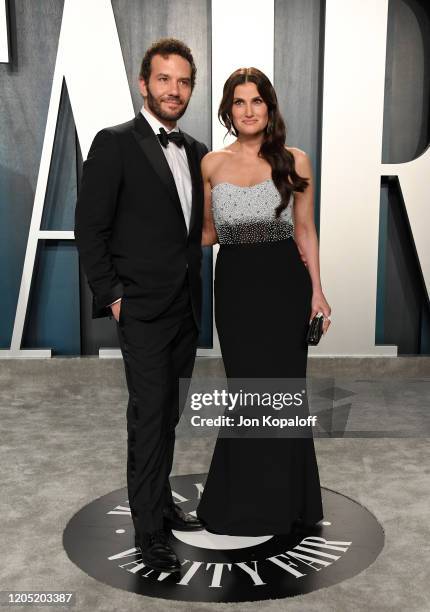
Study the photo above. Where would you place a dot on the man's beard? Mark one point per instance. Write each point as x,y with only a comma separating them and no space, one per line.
156,109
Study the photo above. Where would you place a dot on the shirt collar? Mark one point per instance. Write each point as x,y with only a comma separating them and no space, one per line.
155,123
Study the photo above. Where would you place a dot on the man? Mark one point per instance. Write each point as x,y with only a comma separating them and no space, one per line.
138,230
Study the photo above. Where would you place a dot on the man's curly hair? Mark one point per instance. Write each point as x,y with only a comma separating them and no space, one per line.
165,47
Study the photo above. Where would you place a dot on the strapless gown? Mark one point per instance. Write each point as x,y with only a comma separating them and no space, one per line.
263,291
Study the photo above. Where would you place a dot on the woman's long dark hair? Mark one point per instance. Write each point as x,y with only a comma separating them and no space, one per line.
272,149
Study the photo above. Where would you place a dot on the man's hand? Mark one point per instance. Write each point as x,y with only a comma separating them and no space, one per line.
116,309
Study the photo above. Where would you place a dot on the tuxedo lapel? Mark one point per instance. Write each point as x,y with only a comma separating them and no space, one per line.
195,177
150,146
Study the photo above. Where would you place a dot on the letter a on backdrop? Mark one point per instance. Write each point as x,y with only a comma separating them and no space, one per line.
90,61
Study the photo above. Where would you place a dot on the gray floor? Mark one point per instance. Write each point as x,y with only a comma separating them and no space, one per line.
64,444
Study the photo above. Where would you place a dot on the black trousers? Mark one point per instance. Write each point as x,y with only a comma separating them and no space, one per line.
156,354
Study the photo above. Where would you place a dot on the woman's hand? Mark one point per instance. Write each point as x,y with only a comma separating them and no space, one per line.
320,304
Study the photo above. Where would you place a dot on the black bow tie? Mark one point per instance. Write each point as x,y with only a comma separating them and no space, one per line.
176,137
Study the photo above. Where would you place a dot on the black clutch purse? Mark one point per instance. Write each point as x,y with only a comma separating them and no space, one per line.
315,330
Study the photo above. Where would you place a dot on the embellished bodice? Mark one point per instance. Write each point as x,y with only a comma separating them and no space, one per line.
247,214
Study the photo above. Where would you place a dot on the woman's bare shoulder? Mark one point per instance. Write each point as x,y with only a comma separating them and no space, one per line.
298,153
214,159
301,159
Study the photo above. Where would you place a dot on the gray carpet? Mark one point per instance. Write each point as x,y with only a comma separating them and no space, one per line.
64,444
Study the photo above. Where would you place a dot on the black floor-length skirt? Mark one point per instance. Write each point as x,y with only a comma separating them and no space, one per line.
261,486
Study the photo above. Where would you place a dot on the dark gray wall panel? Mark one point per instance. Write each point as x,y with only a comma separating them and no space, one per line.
61,191
53,312
299,39
407,82
403,287
297,69
141,22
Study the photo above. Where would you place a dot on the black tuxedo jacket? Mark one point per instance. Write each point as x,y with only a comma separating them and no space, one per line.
129,226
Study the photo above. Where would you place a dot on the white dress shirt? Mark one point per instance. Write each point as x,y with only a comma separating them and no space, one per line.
178,162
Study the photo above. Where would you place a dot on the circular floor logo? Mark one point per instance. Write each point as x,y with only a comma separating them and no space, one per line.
100,540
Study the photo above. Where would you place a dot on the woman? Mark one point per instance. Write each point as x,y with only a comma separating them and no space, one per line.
265,297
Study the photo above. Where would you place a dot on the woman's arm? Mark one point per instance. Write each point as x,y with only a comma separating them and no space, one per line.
209,234
306,237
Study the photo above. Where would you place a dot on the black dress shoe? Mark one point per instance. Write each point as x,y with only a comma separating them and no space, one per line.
157,552
176,518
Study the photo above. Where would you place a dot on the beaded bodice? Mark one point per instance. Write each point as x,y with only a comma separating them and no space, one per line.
247,214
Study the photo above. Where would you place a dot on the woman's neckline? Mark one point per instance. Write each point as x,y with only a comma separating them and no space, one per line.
241,186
